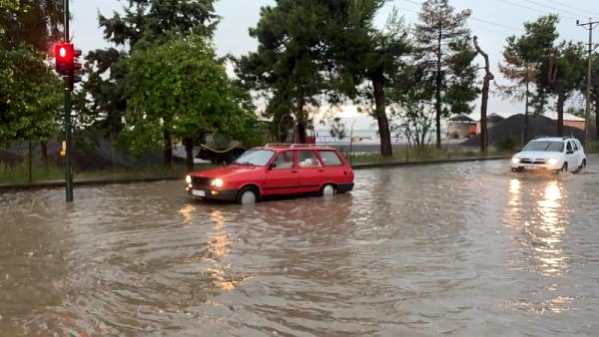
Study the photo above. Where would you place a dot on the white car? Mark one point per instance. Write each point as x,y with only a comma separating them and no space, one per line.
551,153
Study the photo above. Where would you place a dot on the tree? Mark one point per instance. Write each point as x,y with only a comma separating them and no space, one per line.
177,88
29,90
365,54
291,63
565,73
594,90
142,20
523,56
445,51
411,98
484,139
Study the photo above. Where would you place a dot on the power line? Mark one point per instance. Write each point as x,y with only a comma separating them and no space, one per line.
532,9
496,24
580,10
551,7
472,18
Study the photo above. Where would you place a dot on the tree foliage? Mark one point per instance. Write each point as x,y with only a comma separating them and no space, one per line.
369,55
142,20
177,88
446,55
292,63
29,90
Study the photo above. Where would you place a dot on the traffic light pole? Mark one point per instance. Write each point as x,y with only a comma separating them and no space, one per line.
68,171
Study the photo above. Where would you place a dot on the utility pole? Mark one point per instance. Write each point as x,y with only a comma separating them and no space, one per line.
587,114
68,170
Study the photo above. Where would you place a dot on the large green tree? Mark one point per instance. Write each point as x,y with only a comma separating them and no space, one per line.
595,90
178,88
564,74
365,54
291,65
522,57
140,20
445,51
29,90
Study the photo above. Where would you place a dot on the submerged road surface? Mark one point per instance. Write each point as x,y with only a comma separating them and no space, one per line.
460,249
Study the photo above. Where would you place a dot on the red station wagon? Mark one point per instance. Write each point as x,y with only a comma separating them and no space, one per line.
273,170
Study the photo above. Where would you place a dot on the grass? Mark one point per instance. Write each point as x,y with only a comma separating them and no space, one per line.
420,155
19,174
593,147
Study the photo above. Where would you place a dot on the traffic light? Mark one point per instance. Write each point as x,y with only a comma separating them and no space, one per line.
63,54
67,62
75,68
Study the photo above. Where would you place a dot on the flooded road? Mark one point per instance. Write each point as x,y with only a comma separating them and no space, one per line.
460,249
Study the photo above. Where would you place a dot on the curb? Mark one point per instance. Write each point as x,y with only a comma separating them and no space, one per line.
100,181
86,182
426,162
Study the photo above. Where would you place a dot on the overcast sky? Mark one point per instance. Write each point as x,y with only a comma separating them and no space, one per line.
492,20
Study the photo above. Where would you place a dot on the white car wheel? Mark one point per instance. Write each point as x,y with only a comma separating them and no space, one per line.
247,197
329,190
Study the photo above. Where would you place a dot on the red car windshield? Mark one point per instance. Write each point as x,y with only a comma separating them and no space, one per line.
255,157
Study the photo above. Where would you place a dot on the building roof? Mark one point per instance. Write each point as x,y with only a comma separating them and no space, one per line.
568,117
461,118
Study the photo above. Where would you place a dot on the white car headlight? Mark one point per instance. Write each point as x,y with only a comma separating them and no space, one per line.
552,161
188,179
515,160
218,182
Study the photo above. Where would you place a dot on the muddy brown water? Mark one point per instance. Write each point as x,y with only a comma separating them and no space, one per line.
461,249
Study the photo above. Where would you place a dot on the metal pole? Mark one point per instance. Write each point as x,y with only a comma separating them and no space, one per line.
68,171
587,114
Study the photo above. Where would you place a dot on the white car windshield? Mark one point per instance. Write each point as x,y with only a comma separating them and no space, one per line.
545,146
255,157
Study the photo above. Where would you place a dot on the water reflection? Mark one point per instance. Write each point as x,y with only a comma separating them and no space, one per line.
187,213
541,218
538,213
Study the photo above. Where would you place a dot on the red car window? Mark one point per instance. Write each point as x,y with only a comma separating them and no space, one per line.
330,158
284,161
307,159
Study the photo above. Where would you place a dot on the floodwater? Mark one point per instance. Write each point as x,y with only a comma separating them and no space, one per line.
460,249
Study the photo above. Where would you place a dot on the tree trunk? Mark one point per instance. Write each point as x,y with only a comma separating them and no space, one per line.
188,141
484,138
168,149
44,150
300,128
438,83
381,115
561,100
301,132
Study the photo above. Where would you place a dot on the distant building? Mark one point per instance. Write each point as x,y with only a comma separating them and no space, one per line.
461,126
569,120
492,120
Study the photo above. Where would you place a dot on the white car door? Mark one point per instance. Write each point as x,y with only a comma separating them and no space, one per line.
579,152
571,156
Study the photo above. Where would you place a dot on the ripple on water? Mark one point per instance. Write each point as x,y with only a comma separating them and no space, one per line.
465,249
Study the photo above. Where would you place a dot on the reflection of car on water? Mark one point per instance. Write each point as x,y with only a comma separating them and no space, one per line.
551,153
275,169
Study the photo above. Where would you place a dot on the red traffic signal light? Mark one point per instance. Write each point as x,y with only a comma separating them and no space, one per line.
67,62
63,55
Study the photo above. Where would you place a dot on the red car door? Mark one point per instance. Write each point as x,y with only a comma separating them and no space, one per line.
334,169
282,176
311,172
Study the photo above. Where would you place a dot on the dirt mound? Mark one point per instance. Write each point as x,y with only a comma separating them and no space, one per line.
512,128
